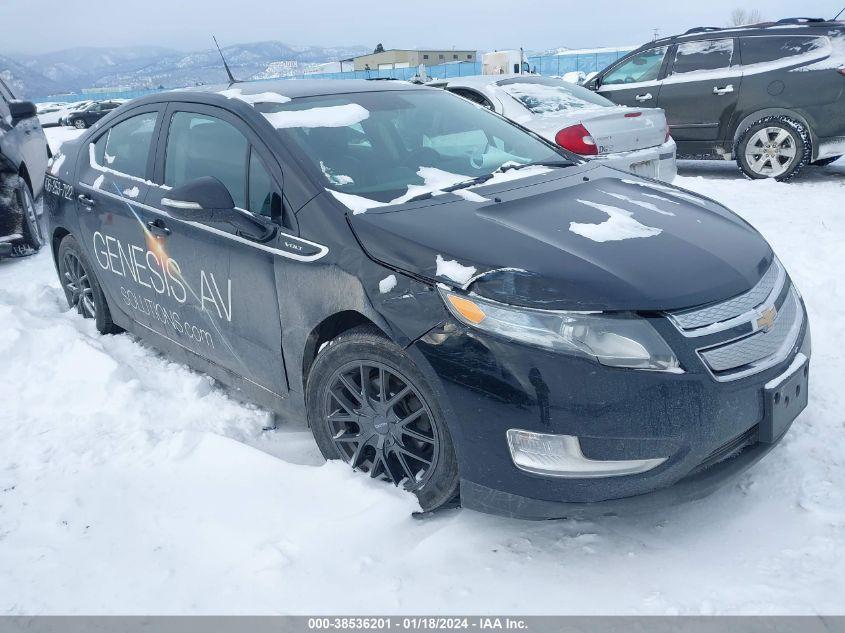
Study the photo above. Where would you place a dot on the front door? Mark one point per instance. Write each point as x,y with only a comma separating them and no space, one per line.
223,305
635,81
700,94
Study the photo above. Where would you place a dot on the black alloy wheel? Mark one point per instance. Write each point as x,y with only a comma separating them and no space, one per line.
380,423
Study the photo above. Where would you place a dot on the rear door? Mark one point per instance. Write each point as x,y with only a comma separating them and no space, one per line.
635,81
225,306
112,183
700,93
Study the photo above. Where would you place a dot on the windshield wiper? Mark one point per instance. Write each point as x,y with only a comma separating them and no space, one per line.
461,185
482,179
536,163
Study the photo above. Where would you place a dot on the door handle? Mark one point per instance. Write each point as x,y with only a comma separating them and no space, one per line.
158,228
723,90
87,201
645,97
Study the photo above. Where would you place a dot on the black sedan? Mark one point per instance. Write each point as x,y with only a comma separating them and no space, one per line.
90,114
455,305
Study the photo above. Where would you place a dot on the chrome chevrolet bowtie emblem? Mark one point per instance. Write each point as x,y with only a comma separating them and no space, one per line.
766,320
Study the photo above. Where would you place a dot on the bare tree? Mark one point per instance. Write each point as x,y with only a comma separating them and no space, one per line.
742,17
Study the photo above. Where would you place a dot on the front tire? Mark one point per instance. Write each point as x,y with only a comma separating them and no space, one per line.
80,124
774,147
82,289
370,406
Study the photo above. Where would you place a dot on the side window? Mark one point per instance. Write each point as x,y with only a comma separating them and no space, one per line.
473,96
643,66
759,50
261,189
202,145
706,55
126,146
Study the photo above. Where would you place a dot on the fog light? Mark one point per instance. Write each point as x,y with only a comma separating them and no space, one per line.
561,456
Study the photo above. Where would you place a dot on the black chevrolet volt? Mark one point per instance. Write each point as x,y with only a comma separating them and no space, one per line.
454,305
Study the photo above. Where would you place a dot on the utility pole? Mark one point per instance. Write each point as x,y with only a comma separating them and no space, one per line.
656,33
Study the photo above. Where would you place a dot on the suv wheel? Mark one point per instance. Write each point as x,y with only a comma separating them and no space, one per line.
370,406
82,289
79,124
773,147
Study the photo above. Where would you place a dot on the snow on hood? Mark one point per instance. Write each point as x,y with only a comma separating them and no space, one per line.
573,244
325,116
619,225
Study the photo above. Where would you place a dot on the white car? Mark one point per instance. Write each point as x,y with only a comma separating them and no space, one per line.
636,140
49,113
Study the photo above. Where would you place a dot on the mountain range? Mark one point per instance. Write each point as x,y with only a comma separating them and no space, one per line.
138,67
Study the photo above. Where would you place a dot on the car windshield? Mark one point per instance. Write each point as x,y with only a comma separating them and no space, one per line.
548,96
390,144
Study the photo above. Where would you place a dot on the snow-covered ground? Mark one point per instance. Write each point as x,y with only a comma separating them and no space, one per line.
130,484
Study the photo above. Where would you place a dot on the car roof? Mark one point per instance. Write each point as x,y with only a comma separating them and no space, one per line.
787,26
294,88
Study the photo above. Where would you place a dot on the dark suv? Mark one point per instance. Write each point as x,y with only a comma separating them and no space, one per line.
23,159
90,114
768,95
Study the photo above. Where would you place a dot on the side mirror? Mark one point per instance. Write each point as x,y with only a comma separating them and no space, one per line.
22,110
208,201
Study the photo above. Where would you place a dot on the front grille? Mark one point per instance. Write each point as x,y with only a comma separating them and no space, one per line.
753,347
707,316
760,350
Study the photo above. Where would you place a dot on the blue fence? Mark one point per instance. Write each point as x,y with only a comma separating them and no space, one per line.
575,62
542,64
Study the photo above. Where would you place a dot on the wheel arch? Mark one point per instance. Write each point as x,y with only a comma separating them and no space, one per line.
59,233
330,328
23,172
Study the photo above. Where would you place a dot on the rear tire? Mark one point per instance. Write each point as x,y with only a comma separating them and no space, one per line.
369,405
81,286
80,124
773,147
21,215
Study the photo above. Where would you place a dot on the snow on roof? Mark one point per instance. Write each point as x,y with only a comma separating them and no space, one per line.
252,99
326,116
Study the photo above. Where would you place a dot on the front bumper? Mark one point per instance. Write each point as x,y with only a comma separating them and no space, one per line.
653,162
487,385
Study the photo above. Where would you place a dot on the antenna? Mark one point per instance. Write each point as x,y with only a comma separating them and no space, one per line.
232,80
838,14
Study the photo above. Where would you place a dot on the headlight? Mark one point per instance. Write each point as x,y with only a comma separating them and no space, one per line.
616,340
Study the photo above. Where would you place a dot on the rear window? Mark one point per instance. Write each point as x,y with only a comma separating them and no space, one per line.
759,50
547,96
706,55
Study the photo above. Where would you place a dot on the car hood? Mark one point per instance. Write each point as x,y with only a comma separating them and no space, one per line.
580,238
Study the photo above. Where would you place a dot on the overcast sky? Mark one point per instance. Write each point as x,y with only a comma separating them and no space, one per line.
30,26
